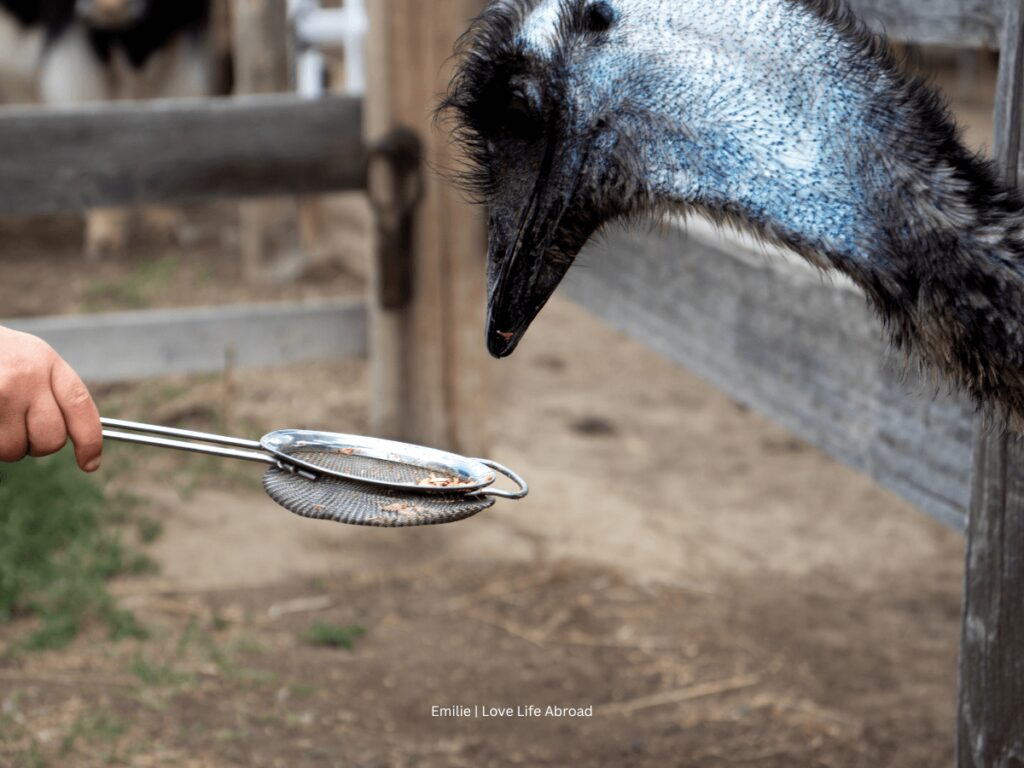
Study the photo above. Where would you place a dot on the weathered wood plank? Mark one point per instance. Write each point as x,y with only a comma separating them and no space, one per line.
137,345
74,158
804,352
962,23
269,228
990,726
390,338
430,368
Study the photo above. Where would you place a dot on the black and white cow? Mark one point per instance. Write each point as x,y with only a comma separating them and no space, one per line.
73,51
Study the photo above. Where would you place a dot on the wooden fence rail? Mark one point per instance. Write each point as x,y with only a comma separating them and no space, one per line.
958,23
69,159
805,352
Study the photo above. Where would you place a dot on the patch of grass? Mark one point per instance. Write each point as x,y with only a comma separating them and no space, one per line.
120,508
249,645
56,553
231,734
157,674
219,622
301,690
194,635
333,635
10,729
135,290
188,637
259,677
94,728
140,565
30,758
195,644
148,529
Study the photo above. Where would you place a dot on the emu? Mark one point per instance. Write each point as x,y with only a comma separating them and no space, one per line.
785,117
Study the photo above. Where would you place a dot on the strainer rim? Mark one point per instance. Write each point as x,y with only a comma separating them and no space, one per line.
480,474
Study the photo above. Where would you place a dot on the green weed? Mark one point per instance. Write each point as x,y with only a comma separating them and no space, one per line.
93,728
136,290
148,529
157,674
30,758
333,635
56,553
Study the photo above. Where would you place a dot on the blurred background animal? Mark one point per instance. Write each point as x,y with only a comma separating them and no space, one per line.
73,51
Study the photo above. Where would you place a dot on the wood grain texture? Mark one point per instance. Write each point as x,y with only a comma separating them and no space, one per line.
990,726
138,345
958,23
804,352
430,363
269,228
390,334
260,42
70,159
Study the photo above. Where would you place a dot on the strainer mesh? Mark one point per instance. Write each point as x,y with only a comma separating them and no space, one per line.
381,470
355,503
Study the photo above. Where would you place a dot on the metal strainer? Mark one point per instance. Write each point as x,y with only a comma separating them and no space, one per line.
347,478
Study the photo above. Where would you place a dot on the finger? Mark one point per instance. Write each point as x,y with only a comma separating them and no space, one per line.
13,437
47,432
80,415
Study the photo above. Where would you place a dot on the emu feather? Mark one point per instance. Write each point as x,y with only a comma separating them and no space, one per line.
787,117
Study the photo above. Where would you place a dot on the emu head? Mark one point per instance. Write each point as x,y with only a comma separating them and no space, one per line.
577,112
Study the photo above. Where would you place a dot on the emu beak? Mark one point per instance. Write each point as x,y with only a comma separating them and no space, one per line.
529,257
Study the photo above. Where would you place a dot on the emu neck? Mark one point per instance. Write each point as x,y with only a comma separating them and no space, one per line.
791,123
945,271
772,114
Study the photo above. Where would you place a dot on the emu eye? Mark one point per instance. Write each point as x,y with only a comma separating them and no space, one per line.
522,113
599,17
518,120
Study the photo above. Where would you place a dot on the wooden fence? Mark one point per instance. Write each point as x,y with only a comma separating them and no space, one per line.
766,331
805,352
811,356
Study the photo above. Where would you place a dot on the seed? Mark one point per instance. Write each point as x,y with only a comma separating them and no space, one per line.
435,481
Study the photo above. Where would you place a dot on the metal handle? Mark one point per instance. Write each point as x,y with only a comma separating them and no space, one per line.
132,430
187,434
497,492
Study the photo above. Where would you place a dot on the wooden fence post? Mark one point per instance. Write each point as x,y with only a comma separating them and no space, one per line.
269,229
429,359
990,729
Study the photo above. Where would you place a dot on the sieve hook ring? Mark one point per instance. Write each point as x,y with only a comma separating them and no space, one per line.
497,492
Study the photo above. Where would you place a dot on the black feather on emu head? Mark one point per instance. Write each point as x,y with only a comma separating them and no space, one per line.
549,172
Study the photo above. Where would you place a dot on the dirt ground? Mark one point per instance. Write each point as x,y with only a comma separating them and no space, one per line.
718,592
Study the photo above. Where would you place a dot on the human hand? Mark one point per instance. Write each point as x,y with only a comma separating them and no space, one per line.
43,402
